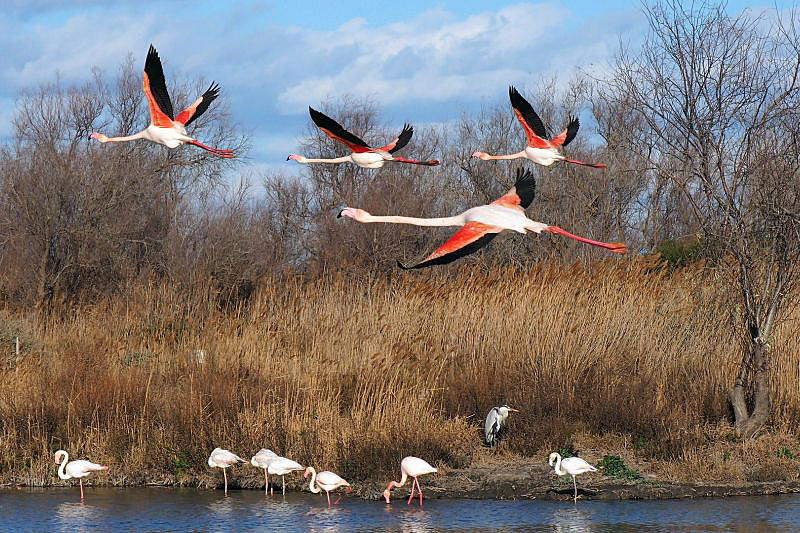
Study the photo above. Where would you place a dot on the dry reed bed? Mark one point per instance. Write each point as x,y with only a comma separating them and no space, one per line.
352,374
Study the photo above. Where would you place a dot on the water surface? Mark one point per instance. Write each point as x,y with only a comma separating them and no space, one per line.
169,509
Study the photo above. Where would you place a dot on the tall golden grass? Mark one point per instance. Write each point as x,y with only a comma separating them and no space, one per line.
354,373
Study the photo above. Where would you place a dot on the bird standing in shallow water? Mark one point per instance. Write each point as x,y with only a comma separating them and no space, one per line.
540,150
282,466
481,224
163,129
410,466
220,458
572,466
494,422
262,459
362,154
326,481
76,469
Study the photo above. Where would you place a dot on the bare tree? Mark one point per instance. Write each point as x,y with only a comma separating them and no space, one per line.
714,99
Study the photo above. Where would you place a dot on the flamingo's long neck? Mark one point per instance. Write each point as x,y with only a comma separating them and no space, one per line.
558,466
506,156
312,486
133,137
446,221
393,484
336,160
61,472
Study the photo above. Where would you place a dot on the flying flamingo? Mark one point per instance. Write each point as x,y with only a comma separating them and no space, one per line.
539,149
76,469
326,481
220,458
163,129
281,466
362,155
262,459
572,466
481,224
410,466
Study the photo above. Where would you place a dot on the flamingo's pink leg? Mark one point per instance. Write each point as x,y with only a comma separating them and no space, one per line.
411,496
225,475
266,483
328,494
216,151
420,491
81,484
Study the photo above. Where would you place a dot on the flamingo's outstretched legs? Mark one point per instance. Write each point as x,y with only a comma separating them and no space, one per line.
227,154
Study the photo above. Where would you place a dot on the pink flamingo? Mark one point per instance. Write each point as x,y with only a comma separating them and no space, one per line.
76,469
539,150
481,224
163,129
410,466
326,481
262,459
363,155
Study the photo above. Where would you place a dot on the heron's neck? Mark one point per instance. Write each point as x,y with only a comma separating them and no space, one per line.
446,221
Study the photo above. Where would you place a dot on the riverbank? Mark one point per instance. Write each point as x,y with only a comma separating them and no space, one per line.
621,359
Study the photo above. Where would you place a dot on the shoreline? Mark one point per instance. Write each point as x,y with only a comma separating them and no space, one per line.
517,479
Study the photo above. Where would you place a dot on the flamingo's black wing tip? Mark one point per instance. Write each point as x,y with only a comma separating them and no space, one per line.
401,265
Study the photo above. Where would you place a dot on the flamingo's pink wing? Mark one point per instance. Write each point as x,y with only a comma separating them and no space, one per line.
566,136
199,106
400,141
521,194
155,90
529,120
471,237
335,131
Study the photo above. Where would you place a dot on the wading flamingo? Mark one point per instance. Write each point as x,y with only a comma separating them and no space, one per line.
572,466
326,481
539,149
76,469
262,459
362,155
281,466
163,129
494,423
410,466
220,458
481,224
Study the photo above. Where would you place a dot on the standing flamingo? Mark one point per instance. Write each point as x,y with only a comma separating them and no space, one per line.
326,481
539,149
281,466
572,466
76,469
163,129
410,466
362,155
262,459
220,458
481,224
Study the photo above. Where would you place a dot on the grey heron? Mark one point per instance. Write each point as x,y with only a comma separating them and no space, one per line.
494,423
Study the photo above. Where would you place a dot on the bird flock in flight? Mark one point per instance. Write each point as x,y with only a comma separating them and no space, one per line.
478,226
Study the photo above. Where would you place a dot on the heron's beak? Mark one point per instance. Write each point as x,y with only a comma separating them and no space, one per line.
513,410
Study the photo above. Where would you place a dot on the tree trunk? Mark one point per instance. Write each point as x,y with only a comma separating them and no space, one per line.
754,369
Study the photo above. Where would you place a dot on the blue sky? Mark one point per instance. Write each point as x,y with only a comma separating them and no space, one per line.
420,62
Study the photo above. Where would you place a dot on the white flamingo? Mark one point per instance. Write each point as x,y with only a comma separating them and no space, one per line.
281,466
481,224
326,481
76,469
262,459
163,129
572,466
220,458
410,466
